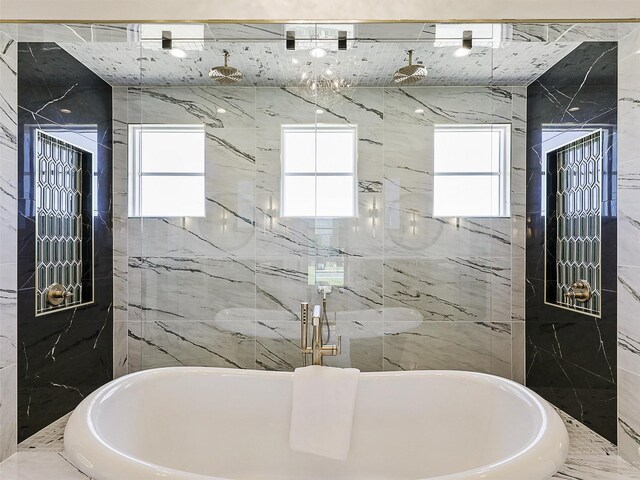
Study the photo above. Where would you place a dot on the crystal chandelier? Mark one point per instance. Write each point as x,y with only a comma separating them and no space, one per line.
326,79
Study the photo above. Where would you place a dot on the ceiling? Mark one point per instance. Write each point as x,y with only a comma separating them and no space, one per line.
502,54
366,63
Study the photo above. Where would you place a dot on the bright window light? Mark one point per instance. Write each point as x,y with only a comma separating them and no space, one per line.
472,170
166,171
319,170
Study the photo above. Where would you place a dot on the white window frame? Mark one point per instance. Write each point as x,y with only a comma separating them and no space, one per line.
318,127
504,165
135,169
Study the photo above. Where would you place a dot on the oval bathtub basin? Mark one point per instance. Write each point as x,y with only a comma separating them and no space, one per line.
198,423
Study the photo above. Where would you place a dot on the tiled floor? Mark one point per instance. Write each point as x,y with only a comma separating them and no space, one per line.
592,457
49,439
41,457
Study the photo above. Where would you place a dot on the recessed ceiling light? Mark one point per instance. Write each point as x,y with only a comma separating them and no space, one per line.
419,110
574,109
318,52
328,71
178,52
319,112
221,110
294,61
462,52
65,110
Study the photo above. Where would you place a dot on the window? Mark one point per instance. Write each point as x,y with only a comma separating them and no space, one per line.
471,170
319,170
166,171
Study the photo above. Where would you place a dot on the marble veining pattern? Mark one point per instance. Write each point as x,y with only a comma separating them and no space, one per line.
8,244
571,358
628,274
266,62
49,439
67,354
225,289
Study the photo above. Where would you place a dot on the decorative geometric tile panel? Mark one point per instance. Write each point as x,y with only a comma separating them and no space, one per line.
578,214
59,220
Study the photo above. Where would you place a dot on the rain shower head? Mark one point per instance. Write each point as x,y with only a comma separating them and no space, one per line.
411,73
225,74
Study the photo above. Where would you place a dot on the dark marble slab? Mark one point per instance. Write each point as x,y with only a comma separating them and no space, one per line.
589,398
65,355
571,357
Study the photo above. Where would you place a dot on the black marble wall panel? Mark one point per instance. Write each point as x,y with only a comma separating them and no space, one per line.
62,356
571,357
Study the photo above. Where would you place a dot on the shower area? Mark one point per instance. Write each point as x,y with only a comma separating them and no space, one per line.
449,189
331,157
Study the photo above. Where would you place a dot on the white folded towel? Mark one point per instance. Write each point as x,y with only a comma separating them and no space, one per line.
324,400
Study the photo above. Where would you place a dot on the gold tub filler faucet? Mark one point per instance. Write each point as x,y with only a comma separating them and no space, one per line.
317,350
579,291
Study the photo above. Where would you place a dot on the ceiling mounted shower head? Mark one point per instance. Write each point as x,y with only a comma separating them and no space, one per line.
411,73
225,74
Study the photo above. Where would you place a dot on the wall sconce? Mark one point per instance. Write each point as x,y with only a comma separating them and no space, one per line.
373,214
271,212
223,222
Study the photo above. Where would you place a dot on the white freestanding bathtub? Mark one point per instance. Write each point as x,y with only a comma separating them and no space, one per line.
193,423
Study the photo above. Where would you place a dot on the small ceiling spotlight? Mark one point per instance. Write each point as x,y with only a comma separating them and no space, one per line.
290,40
318,52
319,112
178,52
221,110
65,110
467,44
574,109
419,110
342,40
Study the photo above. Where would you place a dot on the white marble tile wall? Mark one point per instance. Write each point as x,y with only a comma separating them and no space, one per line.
8,245
120,234
628,241
225,289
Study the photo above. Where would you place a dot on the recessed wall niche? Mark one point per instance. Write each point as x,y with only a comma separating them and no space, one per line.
64,226
573,237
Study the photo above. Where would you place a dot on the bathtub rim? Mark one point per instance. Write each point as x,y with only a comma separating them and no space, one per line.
84,411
